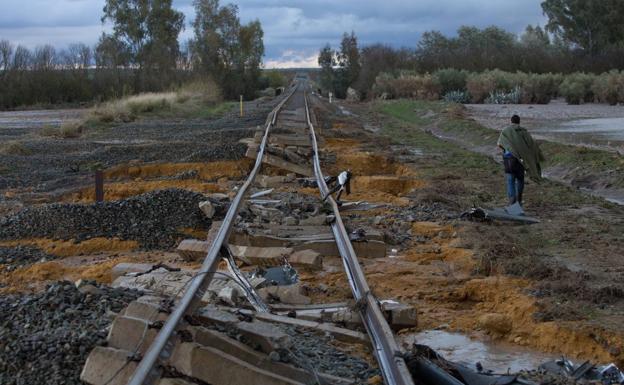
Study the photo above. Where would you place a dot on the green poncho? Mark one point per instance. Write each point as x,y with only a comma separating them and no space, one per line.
518,141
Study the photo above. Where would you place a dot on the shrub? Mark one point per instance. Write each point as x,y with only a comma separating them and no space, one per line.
408,86
503,97
451,79
609,88
71,129
540,88
480,85
461,97
577,88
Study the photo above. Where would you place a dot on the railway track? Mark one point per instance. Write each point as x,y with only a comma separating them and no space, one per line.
150,339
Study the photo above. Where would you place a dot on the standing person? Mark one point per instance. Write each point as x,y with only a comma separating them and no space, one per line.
520,154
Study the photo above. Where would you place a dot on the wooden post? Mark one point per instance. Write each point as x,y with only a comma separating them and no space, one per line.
99,186
241,106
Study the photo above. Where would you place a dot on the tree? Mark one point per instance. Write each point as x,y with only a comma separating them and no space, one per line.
148,29
226,51
349,58
111,53
326,61
589,24
6,51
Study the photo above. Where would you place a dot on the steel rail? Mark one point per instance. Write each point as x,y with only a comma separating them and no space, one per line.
148,372
391,362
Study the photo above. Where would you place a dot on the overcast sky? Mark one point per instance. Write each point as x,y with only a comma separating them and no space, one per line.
294,30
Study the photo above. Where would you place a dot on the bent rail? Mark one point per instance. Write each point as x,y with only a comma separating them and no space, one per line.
147,372
386,350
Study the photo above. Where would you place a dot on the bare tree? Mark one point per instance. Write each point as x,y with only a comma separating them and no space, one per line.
6,51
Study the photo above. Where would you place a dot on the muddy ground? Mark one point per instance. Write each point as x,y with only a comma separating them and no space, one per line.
556,286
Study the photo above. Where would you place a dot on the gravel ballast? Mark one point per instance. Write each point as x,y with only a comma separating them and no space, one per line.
153,219
45,338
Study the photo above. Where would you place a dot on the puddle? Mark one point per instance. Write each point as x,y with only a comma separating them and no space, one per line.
497,357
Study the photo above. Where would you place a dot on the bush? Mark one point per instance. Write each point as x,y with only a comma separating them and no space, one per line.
408,86
540,88
451,79
480,86
609,88
577,88
461,97
503,97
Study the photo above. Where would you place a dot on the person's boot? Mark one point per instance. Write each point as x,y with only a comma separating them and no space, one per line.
520,199
512,201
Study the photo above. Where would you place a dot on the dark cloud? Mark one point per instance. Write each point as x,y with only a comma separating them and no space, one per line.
294,30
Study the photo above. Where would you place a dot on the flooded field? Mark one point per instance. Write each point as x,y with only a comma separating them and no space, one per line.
37,118
593,125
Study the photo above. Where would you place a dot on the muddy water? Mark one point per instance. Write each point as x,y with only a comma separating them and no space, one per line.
601,132
497,357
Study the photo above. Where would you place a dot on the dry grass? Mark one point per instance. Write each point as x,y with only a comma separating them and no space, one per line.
188,99
68,129
14,148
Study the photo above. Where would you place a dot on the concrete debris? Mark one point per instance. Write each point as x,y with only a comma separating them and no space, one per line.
213,315
190,360
265,336
230,295
349,318
149,312
399,316
193,250
261,256
284,294
131,334
266,181
108,366
309,259
207,208
586,372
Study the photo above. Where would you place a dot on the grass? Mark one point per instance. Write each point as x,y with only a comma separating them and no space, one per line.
450,118
200,99
68,129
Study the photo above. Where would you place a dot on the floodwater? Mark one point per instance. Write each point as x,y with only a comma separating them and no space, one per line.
497,357
37,118
600,132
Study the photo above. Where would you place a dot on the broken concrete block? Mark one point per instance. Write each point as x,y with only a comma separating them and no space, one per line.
218,368
400,316
193,250
328,248
261,256
229,295
146,311
131,334
286,294
215,316
207,208
349,318
307,259
265,336
126,268
108,366
232,347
